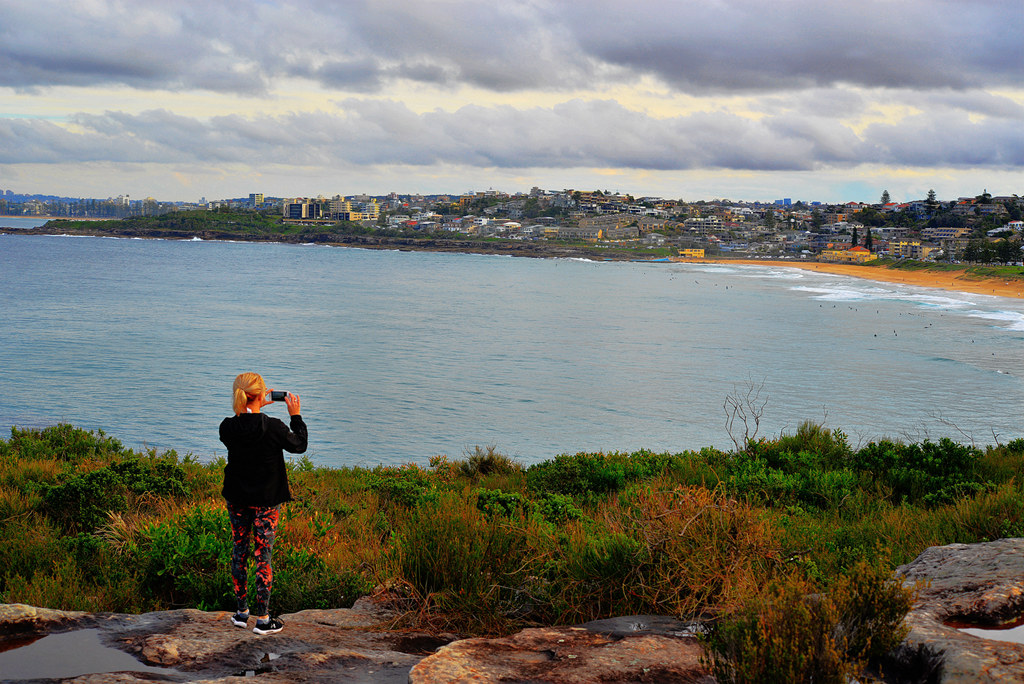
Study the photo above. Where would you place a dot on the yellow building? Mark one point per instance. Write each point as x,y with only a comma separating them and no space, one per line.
910,249
691,253
852,255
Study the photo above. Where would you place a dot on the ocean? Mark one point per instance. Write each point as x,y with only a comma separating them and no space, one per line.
22,222
400,356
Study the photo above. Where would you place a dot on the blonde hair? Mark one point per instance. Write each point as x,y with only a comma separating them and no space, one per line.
247,387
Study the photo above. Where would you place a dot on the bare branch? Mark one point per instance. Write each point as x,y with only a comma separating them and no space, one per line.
949,423
745,405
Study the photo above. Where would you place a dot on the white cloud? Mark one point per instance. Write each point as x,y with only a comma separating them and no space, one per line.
577,133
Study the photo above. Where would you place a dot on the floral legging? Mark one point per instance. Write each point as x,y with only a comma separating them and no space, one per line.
261,524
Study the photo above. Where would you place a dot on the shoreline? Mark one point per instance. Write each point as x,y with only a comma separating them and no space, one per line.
951,281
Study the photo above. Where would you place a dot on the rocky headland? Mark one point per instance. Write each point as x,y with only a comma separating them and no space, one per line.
958,585
524,248
956,279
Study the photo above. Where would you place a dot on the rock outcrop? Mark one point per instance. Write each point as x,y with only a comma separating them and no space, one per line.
344,645
638,649
961,585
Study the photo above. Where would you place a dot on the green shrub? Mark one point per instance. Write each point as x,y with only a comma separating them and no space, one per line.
302,580
581,475
61,442
829,448
591,476
927,473
28,544
83,501
406,485
496,502
186,560
799,480
990,515
558,508
784,638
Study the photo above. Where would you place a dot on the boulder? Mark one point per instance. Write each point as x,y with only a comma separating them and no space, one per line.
963,585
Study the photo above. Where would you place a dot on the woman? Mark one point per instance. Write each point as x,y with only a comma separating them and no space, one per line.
255,485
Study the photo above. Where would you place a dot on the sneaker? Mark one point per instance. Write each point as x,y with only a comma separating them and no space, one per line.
271,626
240,619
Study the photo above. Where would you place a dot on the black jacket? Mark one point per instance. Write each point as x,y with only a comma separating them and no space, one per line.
255,474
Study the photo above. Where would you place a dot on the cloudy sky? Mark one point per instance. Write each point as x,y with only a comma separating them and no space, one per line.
693,99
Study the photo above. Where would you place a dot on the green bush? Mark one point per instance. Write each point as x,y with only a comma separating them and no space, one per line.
590,476
406,485
558,508
60,442
496,502
927,473
580,475
28,544
798,481
82,501
828,448
302,580
186,560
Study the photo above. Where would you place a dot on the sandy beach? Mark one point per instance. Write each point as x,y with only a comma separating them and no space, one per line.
957,282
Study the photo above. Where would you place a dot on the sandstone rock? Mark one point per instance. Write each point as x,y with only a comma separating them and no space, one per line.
344,645
968,584
16,618
568,655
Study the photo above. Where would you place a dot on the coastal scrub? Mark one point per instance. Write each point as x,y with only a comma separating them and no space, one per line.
485,545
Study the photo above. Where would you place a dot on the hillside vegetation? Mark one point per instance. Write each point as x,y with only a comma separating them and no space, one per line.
482,544
198,222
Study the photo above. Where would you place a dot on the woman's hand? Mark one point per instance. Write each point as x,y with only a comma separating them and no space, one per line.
294,404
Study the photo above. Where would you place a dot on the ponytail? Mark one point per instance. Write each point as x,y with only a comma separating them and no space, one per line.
239,401
246,385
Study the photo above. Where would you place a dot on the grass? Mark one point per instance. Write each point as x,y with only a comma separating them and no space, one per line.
965,270
486,545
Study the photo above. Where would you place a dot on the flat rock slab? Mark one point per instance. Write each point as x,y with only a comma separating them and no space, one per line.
968,585
567,655
343,645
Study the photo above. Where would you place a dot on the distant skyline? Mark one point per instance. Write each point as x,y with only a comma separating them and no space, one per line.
737,99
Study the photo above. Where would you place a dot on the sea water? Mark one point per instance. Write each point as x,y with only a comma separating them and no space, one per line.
22,222
400,356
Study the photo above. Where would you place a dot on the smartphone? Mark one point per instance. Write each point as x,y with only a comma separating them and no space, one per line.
277,395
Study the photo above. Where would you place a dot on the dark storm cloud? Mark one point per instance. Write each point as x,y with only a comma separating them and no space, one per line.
599,134
758,46
362,45
102,42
